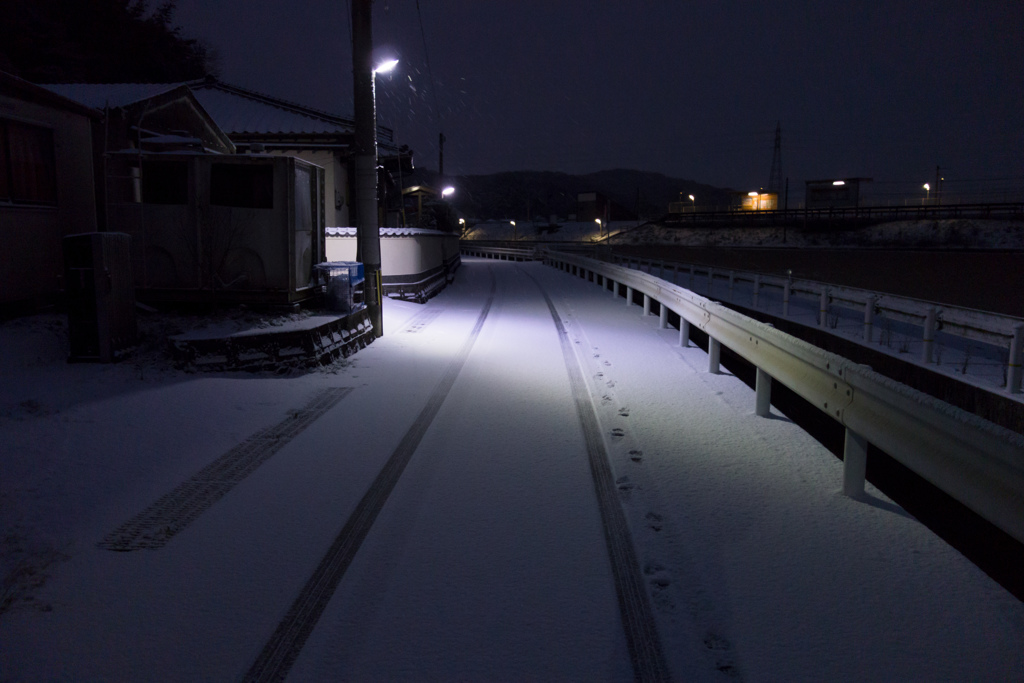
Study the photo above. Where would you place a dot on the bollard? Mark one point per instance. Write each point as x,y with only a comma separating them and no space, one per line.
823,309
855,461
869,319
929,336
763,393
662,316
684,332
714,355
647,305
785,299
629,295
1013,368
757,291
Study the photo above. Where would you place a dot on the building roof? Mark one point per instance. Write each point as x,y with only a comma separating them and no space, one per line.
100,95
11,84
245,112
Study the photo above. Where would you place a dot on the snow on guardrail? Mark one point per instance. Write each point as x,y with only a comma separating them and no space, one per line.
975,461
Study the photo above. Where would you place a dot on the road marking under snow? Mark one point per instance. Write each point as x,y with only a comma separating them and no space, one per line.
154,526
284,646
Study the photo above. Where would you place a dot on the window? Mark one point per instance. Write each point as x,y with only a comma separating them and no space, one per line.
28,171
165,182
242,185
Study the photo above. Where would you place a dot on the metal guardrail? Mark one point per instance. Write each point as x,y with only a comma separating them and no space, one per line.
969,323
975,461
501,253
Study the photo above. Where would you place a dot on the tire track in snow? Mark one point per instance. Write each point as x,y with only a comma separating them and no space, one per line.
637,617
153,527
287,641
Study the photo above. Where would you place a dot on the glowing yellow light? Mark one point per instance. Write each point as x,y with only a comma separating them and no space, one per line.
691,198
751,194
927,186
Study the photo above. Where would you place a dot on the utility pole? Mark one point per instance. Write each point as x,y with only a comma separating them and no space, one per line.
367,228
440,155
775,178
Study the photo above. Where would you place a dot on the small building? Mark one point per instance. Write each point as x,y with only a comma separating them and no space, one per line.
841,193
755,200
47,188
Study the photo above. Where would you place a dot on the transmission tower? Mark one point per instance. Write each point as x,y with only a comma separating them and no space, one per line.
775,179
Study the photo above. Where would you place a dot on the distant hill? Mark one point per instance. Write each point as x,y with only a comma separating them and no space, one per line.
518,195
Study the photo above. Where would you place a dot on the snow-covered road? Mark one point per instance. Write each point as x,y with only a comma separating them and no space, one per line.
441,520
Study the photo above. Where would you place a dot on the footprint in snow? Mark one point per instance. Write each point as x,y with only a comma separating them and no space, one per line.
624,412
618,433
624,484
607,363
597,355
653,521
610,384
599,375
606,399
636,455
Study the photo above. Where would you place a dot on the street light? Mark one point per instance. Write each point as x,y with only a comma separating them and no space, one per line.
927,192
385,67
694,203
600,226
448,191
515,235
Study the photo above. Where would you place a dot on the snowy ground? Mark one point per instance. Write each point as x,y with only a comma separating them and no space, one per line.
487,562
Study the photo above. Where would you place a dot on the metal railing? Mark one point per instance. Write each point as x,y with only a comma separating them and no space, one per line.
870,214
975,461
877,308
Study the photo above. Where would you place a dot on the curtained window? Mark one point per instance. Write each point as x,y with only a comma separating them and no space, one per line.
27,167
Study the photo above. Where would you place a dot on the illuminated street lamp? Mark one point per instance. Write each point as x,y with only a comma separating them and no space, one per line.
515,234
600,228
694,201
448,191
927,192
838,182
385,67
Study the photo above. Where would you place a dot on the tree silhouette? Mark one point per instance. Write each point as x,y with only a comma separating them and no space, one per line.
98,41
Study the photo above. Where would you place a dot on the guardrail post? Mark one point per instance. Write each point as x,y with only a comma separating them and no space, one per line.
823,309
732,284
1013,368
599,279
763,393
662,315
629,295
714,355
647,305
757,290
869,319
855,461
615,288
929,335
684,332
785,298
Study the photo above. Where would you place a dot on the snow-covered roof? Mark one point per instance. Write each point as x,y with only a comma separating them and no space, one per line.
238,112
385,232
100,95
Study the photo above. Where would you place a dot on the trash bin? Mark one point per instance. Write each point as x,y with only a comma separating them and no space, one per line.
342,285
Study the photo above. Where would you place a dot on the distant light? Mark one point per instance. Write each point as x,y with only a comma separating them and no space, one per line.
692,199
598,221
927,186
447,191
386,66
838,182
751,194
512,223
462,221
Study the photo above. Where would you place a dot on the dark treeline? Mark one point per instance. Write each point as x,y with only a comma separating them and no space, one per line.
98,41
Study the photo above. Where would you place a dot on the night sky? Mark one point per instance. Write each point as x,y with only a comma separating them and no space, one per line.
886,90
